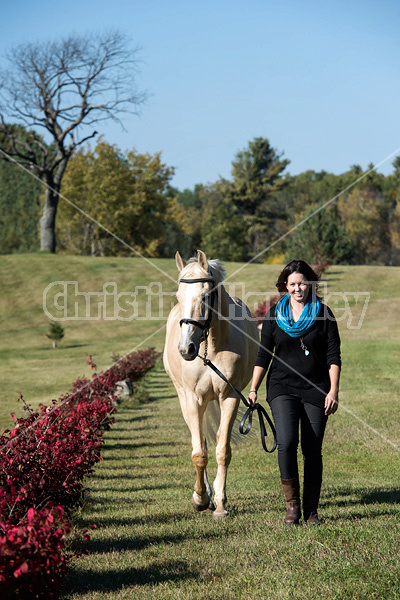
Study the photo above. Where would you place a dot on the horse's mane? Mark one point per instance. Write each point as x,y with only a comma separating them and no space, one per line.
216,266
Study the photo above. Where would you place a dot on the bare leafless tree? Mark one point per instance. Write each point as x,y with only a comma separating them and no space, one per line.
62,89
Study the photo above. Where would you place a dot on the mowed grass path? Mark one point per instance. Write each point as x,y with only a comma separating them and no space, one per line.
149,542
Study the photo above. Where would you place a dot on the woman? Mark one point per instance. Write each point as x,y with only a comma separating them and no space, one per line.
300,335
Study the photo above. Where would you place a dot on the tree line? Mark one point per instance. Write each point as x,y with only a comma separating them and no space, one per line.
51,99
260,213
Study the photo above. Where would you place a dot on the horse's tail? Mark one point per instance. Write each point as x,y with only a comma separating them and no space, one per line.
211,423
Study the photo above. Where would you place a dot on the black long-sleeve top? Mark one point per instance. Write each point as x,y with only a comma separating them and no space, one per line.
291,370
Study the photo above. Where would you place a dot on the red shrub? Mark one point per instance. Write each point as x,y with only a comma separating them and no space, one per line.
134,366
49,453
32,562
263,308
43,462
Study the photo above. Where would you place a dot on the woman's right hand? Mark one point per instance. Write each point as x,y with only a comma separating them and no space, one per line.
253,397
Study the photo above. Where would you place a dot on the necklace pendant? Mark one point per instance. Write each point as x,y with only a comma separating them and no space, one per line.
304,347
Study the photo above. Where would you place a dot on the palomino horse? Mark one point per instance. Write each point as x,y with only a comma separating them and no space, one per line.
205,308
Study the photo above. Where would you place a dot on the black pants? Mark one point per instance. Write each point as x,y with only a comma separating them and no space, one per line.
288,412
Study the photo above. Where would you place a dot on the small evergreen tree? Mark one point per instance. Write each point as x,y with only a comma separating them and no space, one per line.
56,333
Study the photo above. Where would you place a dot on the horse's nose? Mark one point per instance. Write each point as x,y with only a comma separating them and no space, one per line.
192,349
189,352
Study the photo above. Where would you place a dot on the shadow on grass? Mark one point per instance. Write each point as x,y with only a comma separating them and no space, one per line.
130,542
162,455
348,496
131,408
382,496
156,396
74,346
141,488
136,430
81,582
105,521
116,459
355,499
119,425
101,501
111,446
108,476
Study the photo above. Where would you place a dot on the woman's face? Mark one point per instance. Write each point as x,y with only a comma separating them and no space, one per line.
298,287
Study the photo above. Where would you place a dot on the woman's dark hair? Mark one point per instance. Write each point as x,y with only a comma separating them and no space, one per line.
297,266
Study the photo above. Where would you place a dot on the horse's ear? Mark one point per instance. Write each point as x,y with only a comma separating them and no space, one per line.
201,257
180,263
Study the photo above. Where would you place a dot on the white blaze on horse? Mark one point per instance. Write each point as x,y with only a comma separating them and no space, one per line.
204,307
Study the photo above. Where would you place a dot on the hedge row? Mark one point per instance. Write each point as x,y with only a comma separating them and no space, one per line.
43,462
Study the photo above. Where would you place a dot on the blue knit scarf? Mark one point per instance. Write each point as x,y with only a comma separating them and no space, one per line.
283,315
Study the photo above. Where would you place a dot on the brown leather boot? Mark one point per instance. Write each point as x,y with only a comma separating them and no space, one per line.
291,489
311,493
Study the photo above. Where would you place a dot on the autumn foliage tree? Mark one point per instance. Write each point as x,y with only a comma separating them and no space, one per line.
181,228
365,213
123,193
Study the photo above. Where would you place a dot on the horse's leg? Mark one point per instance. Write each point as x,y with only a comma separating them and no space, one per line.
207,484
193,414
229,408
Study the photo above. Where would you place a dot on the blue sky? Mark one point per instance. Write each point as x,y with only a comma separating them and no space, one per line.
320,79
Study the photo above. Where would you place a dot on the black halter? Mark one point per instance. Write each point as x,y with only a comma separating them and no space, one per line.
212,295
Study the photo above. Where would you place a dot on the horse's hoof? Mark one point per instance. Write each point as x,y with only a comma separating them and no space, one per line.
200,507
211,506
220,515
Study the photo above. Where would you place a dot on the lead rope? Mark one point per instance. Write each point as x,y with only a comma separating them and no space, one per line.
248,415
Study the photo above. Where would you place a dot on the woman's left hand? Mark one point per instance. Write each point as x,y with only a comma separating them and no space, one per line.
331,402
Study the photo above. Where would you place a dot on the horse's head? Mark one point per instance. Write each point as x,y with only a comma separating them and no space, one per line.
196,300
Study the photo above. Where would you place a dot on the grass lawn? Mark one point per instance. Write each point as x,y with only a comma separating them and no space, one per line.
149,542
